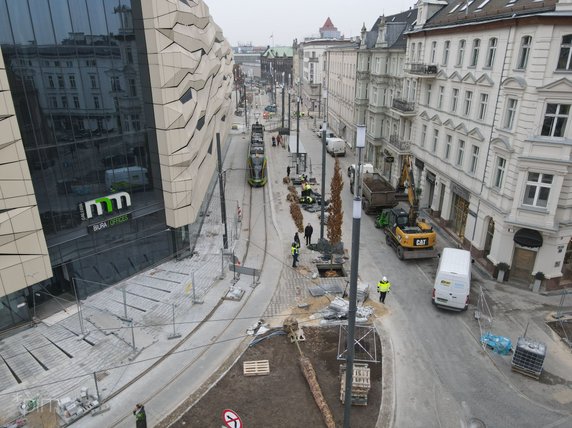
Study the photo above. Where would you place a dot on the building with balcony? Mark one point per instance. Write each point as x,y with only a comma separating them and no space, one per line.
383,102
492,83
341,63
108,119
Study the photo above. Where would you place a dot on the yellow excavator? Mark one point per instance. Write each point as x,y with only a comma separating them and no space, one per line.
410,236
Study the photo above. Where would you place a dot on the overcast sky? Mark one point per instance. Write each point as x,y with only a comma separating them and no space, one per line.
256,20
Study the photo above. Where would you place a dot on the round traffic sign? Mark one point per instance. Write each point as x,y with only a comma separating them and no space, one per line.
231,419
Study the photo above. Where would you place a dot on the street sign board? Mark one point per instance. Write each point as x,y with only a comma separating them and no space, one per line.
231,419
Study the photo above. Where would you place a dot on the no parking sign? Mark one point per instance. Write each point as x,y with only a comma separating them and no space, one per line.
231,419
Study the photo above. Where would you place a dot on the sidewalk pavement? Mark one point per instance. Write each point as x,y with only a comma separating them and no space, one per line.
117,354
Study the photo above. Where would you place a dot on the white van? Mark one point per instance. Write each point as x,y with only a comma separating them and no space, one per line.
453,280
336,146
366,168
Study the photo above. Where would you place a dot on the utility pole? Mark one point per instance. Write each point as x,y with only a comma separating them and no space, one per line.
221,191
324,126
298,136
282,106
245,109
356,223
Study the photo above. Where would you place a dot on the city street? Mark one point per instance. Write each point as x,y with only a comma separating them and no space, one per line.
443,376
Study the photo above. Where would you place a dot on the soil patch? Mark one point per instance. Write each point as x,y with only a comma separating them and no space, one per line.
283,398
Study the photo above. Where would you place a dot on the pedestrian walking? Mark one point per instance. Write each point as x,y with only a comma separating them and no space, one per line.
140,416
279,140
308,234
273,141
297,239
295,250
383,288
288,171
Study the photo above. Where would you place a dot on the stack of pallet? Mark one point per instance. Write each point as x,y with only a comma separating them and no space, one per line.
360,384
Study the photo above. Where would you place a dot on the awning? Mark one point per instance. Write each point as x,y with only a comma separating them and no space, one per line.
528,238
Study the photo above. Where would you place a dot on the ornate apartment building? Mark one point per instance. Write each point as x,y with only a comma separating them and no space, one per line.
490,82
382,103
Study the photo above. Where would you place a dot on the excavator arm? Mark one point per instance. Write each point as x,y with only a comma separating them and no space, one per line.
407,181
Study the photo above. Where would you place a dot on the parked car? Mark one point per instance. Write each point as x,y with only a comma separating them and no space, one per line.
329,134
270,108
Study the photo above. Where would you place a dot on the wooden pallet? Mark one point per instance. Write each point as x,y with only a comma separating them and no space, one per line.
256,368
529,373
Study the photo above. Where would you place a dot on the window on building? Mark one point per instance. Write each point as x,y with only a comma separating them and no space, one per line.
474,160
525,44
135,122
29,82
64,102
446,47
129,55
565,57
132,87
93,81
423,135
413,47
61,83
53,102
115,84
555,119
69,64
461,53
483,103
460,153
510,113
433,51
71,79
491,51
468,103
76,102
435,140
96,102
499,172
428,100
51,81
454,100
475,52
441,96
537,189
448,144
56,63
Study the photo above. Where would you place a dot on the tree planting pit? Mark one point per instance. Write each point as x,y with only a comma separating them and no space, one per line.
331,270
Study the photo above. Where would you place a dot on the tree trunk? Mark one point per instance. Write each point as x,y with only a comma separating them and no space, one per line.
312,380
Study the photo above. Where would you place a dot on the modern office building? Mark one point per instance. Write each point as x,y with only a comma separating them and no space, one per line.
108,123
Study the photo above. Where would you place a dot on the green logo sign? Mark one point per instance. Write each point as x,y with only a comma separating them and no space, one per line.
106,203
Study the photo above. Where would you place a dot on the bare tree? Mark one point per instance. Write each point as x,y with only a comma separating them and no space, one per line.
336,215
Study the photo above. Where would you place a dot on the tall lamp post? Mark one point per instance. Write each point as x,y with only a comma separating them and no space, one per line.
360,144
324,127
298,136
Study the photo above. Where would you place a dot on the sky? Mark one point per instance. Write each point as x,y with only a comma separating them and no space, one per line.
255,21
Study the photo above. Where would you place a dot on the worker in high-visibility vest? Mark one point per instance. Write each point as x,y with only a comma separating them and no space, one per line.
383,288
295,250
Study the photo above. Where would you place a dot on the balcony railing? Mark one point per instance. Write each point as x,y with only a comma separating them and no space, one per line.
399,143
422,69
403,105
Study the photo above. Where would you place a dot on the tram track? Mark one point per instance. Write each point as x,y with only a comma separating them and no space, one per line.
257,236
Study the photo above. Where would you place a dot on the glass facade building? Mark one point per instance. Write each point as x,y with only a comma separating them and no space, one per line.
75,75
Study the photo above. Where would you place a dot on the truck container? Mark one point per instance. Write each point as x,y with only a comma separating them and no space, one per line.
377,193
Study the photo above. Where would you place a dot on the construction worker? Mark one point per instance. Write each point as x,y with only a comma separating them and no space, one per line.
306,200
383,288
140,416
306,189
295,250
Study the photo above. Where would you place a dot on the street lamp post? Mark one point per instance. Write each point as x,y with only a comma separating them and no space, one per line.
298,136
324,127
79,312
360,144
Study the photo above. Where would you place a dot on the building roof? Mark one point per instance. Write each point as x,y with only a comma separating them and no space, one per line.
328,25
457,12
407,18
279,52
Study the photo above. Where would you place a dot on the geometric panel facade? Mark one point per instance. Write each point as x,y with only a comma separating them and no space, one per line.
24,258
190,69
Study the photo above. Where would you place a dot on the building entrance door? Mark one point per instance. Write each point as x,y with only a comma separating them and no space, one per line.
460,212
522,265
